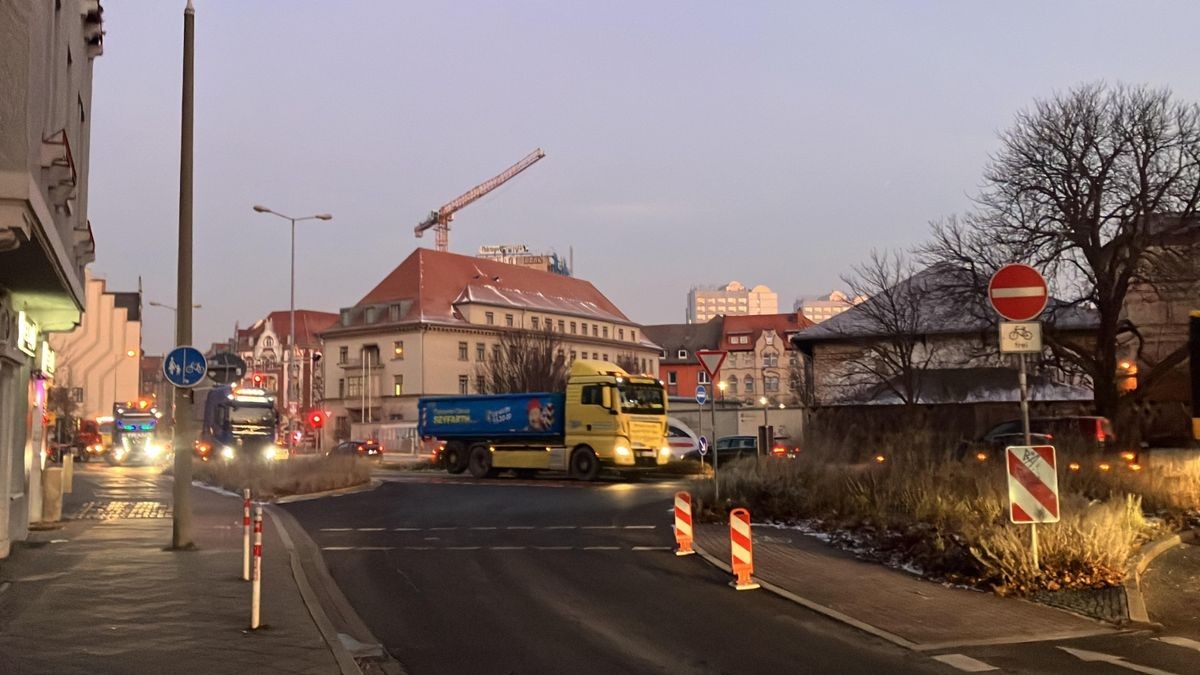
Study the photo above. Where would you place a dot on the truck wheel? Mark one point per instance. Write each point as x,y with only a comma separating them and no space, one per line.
454,458
480,462
584,465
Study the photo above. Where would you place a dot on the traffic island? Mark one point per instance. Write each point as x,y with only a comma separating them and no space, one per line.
273,480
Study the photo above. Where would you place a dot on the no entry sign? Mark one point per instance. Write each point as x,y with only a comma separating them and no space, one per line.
1018,292
1032,484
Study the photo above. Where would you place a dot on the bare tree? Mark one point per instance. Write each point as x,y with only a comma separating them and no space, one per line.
628,361
526,361
1084,184
889,328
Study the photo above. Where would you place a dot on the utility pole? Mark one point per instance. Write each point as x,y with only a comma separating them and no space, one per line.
181,530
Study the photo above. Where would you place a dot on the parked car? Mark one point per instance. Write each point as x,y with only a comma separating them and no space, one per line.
682,440
728,448
1077,436
370,449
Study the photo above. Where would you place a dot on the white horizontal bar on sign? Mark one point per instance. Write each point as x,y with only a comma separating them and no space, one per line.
1018,292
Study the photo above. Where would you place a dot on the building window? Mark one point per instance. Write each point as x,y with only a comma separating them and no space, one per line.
480,351
604,357
595,330
771,359
770,384
489,318
479,383
508,320
633,336
662,354
371,312
354,386
583,327
397,350
462,351
769,337
749,384
644,368
535,321
463,381
681,354
573,326
672,377
549,323
268,342
620,333
731,385
595,356
397,385
562,326
394,313
343,354
702,377
606,332
572,354
341,388
495,351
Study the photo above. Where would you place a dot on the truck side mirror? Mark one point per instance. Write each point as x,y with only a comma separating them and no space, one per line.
606,400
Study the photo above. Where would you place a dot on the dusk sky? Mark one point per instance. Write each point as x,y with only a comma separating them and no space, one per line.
686,143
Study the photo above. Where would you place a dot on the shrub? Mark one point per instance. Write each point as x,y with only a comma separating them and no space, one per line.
295,476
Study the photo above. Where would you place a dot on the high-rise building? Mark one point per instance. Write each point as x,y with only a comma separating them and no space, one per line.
732,299
822,307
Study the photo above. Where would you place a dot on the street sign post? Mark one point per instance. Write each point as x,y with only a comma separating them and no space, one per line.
185,367
711,360
1032,488
226,368
701,394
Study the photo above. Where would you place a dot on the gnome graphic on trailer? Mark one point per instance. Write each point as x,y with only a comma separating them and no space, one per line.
541,417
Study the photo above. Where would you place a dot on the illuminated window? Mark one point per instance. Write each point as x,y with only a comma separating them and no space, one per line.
397,385
398,350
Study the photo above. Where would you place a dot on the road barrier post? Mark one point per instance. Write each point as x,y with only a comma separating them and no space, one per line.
683,523
256,585
246,535
741,549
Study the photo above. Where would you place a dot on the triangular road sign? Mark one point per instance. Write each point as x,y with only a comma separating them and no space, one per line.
711,360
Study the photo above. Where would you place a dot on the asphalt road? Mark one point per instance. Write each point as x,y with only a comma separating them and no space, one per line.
553,576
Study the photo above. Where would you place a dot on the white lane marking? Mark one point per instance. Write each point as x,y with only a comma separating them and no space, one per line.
507,548
441,529
602,548
521,527
1180,642
964,663
376,548
483,528
337,529
553,548
1091,657
561,527
371,529
418,548
652,548
406,529
599,527
462,548
337,548
640,527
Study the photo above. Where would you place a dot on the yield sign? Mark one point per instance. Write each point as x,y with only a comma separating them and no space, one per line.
1018,292
711,360
1032,484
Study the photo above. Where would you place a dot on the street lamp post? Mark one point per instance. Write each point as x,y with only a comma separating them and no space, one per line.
117,371
289,362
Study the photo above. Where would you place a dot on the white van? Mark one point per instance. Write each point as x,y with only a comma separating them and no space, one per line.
681,438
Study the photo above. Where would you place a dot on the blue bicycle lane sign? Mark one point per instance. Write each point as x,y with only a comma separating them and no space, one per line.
185,367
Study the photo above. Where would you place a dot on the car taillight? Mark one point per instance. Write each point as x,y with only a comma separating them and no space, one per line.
360,448
1100,436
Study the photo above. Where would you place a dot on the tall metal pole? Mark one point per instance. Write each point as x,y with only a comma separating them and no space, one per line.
1023,381
712,409
181,530
291,353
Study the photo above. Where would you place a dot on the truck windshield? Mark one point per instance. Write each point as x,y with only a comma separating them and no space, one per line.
252,415
641,398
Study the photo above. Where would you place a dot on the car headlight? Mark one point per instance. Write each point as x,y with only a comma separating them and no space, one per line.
227,452
153,450
120,452
622,451
269,452
665,451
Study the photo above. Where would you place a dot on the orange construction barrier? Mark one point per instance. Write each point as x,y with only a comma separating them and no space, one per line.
683,523
741,549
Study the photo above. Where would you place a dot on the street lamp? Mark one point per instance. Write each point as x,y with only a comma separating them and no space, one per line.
291,356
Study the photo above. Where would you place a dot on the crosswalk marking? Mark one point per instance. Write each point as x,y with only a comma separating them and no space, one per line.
1092,657
1180,642
964,663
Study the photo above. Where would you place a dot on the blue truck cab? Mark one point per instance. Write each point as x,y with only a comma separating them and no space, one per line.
239,423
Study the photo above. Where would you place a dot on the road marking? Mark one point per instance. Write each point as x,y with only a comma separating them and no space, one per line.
964,663
1091,657
553,548
337,529
406,529
1180,642
652,548
418,548
599,527
520,527
376,548
462,548
441,529
483,528
337,548
561,527
602,548
507,548
640,527
371,529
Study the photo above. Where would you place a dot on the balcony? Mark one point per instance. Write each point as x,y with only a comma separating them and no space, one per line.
357,364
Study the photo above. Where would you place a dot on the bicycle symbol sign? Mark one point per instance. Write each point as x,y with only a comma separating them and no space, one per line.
1020,338
185,366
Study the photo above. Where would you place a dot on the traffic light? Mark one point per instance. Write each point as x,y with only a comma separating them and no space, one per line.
316,419
258,379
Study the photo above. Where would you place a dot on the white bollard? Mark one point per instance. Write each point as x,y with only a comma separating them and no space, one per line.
246,535
256,585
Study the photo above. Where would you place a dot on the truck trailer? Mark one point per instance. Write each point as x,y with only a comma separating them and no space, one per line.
605,418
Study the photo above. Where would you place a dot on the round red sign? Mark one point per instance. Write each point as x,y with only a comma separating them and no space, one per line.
1018,292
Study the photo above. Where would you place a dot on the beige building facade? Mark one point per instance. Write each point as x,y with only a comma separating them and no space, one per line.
825,307
732,299
435,321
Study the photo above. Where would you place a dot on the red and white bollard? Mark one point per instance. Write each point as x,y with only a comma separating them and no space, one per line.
246,535
256,583
683,523
741,549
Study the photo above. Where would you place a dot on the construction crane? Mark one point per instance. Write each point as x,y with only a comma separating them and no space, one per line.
440,220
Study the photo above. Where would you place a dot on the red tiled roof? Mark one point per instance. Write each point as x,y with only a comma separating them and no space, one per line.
309,323
429,283
755,324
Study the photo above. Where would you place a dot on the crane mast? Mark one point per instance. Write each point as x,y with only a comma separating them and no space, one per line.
440,220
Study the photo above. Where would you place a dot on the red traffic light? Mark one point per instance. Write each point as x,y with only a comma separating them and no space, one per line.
258,379
316,419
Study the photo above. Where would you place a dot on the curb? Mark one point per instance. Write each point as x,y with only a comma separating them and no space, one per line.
1133,580
338,492
299,546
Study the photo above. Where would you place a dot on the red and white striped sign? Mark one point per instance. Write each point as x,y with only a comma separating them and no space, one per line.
741,549
683,523
1032,484
1018,292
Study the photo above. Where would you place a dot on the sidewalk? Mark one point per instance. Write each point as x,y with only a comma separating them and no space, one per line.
891,604
103,595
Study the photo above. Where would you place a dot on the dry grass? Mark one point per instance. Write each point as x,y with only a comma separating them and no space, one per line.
296,476
950,518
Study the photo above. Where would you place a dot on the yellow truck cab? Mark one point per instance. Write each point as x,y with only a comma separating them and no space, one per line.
606,417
